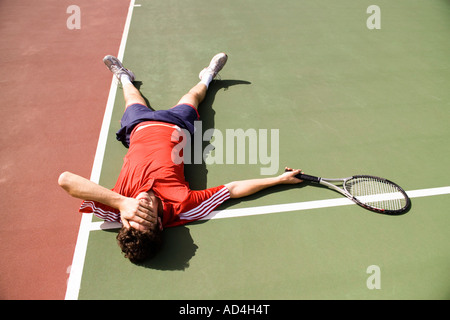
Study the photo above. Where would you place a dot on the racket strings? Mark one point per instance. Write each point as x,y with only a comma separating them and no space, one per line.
377,193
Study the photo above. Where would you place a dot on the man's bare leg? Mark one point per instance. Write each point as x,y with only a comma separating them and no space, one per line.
126,77
131,94
196,95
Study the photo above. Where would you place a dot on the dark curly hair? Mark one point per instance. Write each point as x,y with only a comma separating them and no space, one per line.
139,245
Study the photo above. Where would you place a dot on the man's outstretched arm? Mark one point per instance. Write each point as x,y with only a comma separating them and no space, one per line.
239,189
132,211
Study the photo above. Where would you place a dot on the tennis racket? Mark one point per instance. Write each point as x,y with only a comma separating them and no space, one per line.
370,192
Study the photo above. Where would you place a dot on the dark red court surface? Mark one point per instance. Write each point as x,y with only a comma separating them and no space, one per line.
53,93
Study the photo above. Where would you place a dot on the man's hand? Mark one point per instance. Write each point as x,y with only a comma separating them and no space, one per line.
140,213
243,188
137,213
288,177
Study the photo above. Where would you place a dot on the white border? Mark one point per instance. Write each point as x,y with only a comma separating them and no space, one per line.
76,270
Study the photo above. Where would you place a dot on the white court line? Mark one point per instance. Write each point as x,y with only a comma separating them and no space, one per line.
230,213
76,270
278,208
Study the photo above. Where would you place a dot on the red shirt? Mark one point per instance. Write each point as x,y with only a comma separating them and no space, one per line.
149,165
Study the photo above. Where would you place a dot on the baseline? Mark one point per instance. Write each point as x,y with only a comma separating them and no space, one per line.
76,269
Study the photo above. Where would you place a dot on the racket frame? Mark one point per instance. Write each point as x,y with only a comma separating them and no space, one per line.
330,183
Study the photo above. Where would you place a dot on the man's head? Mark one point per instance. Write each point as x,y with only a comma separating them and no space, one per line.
137,242
139,245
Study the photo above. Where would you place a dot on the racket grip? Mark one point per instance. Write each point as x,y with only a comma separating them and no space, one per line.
306,177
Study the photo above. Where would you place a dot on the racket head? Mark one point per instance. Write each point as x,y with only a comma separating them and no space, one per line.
377,194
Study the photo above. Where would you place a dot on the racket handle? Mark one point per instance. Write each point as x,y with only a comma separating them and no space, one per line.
306,177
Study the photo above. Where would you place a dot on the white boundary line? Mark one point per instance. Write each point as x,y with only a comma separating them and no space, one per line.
231,213
278,208
76,270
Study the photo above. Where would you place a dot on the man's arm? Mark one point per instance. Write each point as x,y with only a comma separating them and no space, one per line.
132,211
239,189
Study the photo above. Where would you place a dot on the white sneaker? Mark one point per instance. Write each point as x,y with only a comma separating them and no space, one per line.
115,66
216,64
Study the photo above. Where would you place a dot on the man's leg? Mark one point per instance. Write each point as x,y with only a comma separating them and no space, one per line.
131,94
126,77
196,95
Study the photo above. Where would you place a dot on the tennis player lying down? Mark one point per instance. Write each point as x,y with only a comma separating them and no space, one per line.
151,192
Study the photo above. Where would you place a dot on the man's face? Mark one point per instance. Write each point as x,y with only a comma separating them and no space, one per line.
151,201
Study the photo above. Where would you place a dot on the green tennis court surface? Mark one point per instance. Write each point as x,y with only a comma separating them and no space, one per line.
345,100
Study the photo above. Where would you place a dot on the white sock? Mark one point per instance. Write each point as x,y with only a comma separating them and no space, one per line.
125,79
207,78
